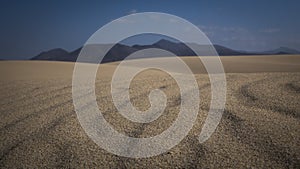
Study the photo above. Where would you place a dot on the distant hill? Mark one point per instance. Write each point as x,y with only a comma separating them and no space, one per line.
282,50
180,49
56,55
224,51
121,51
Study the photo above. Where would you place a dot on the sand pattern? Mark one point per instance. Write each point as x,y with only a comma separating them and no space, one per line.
39,128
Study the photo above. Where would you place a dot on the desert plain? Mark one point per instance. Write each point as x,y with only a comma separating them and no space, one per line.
260,126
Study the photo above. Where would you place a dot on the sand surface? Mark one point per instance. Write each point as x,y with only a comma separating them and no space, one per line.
259,128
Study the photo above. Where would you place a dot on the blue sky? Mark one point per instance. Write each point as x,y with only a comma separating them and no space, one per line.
29,27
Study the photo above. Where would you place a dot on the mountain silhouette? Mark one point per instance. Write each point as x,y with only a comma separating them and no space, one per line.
120,51
282,50
57,54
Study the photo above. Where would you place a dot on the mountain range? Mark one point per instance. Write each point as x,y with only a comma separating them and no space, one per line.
120,51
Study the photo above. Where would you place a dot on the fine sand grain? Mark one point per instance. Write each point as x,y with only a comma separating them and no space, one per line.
259,128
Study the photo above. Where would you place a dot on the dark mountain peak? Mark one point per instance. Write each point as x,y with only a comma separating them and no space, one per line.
120,51
282,50
53,54
56,51
164,42
286,49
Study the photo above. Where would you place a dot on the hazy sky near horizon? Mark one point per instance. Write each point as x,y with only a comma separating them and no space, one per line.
32,26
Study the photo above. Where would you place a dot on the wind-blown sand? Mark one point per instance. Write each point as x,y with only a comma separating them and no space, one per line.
259,128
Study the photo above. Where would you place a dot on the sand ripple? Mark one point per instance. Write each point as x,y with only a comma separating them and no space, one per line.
260,127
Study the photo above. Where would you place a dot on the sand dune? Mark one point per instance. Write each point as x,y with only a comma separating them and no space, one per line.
259,128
